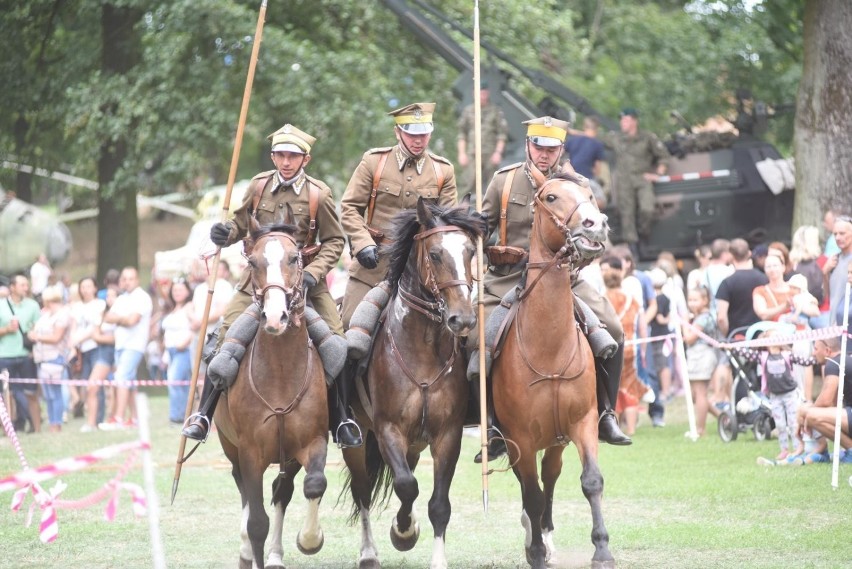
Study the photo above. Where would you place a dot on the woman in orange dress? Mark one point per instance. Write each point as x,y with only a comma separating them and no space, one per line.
632,389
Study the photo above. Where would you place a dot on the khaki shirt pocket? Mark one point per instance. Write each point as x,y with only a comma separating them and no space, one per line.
518,209
427,192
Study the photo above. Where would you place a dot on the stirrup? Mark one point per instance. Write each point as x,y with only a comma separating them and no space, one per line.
188,423
337,433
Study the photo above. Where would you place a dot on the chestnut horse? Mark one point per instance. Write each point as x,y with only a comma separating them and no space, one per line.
543,379
276,410
418,392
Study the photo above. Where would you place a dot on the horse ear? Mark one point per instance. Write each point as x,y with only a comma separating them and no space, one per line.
424,216
254,226
285,216
538,176
465,201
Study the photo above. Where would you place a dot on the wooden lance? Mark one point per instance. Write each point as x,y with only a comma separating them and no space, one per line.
480,256
226,204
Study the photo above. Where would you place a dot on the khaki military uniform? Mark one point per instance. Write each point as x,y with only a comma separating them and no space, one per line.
402,181
499,280
635,156
273,203
494,130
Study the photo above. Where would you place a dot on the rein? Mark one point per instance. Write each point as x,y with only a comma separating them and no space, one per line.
566,254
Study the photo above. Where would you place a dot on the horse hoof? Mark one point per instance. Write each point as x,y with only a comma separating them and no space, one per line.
371,563
310,550
535,563
406,542
275,566
608,564
246,563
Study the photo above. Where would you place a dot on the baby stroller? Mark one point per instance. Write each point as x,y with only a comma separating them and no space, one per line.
750,409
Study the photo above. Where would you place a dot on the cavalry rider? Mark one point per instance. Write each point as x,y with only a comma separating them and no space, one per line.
266,200
544,147
387,181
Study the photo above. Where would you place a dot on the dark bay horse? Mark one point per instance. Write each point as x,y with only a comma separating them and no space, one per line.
544,378
276,411
416,375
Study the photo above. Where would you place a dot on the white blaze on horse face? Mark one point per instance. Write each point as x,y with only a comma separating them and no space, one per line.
454,243
275,301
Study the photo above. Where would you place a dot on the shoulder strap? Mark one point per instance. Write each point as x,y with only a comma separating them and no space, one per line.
377,176
504,204
313,205
258,192
12,310
439,174
771,295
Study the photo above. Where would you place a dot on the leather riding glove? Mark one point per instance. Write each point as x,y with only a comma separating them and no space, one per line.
219,234
368,257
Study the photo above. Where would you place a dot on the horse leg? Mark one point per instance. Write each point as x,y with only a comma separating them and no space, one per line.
232,454
282,493
445,455
359,487
310,539
532,498
551,468
404,530
256,519
591,480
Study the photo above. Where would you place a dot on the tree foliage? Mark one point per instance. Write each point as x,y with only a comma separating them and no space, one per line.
335,67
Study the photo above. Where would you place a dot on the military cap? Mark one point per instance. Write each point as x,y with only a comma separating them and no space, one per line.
415,118
629,112
288,138
546,131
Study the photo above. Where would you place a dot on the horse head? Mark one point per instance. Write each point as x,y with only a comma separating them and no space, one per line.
439,245
276,272
577,226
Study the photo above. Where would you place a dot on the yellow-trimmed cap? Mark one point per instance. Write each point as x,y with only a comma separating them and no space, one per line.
415,118
546,131
288,138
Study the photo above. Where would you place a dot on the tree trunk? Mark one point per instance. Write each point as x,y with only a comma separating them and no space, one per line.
23,180
823,138
118,223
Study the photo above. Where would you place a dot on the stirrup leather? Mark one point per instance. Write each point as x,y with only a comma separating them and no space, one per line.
203,418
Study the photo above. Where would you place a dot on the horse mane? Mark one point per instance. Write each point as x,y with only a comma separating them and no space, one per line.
274,228
405,226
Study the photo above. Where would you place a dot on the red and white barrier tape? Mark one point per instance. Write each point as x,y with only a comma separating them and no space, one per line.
28,481
81,382
694,176
806,336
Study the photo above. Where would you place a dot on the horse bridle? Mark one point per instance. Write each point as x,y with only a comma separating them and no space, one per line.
435,311
568,253
294,293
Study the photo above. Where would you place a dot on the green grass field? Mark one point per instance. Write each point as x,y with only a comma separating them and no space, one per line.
668,502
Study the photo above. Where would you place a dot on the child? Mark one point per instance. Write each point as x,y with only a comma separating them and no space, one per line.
775,367
700,355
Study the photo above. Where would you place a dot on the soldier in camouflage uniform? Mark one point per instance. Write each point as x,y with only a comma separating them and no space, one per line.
266,199
397,175
640,160
545,137
494,131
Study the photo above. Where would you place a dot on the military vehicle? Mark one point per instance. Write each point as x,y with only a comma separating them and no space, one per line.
27,231
713,190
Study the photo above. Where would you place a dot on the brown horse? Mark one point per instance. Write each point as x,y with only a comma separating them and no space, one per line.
416,381
276,411
543,380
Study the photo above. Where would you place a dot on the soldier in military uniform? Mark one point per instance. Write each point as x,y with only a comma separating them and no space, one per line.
640,160
544,147
494,131
387,181
266,200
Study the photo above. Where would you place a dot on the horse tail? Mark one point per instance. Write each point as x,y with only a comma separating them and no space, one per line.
379,479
